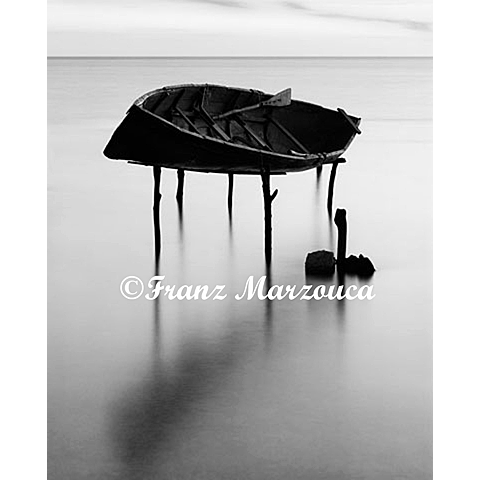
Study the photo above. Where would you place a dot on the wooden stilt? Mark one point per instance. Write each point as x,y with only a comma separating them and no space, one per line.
267,202
180,218
331,184
318,177
156,211
341,223
180,183
230,193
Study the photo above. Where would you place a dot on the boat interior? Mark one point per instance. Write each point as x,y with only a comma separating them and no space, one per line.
298,128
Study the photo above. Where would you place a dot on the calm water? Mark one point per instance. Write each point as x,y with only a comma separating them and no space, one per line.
238,389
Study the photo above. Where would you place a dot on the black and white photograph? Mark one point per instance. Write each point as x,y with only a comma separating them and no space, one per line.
240,239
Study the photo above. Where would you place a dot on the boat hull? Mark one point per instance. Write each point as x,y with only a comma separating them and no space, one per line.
147,139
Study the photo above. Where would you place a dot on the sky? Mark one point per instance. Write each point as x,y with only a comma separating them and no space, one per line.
240,27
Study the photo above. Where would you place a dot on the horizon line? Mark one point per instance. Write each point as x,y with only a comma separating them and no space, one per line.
229,56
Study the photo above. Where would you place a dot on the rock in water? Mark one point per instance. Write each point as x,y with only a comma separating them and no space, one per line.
321,262
365,266
361,266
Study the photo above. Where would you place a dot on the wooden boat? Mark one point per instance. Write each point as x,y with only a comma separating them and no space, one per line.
212,128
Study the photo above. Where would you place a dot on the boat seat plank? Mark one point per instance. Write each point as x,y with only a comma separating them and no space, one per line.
187,120
213,124
247,128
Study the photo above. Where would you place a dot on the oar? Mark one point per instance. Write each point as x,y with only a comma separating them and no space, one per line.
281,99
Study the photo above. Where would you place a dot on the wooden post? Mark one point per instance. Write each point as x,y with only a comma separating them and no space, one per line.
230,194
341,223
331,184
267,203
318,177
180,183
156,211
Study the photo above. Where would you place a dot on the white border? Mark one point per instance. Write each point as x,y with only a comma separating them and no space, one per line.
456,244
23,240
456,160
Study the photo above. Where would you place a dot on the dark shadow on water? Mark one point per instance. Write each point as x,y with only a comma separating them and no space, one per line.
342,303
156,319
147,417
325,306
330,234
156,328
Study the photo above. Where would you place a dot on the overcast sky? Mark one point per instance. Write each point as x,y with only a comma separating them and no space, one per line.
240,27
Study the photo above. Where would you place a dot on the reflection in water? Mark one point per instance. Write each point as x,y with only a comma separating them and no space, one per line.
341,304
156,315
146,418
181,236
338,308
156,325
268,305
153,411
330,233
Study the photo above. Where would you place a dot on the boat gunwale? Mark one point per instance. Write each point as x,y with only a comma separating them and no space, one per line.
310,156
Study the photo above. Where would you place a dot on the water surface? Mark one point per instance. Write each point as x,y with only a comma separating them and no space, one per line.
238,389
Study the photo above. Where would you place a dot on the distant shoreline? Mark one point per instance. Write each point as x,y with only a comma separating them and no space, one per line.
239,57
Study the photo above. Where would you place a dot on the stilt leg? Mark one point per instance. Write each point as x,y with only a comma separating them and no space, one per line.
267,202
230,194
180,183
331,184
156,212
341,223
318,177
